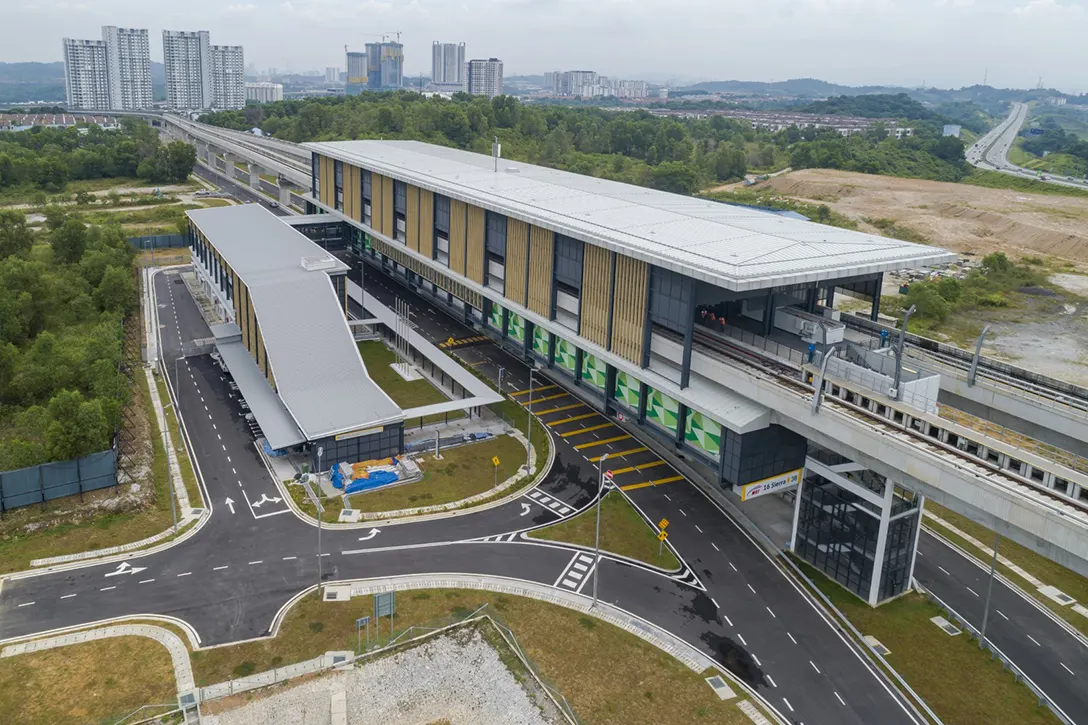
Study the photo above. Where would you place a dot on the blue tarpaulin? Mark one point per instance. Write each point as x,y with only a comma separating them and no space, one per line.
377,479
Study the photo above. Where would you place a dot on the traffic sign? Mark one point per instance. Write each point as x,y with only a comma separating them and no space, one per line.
450,340
495,460
608,476
663,524
362,621
662,535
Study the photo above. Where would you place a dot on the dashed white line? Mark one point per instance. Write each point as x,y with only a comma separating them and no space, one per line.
228,459
1002,614
715,546
715,603
234,472
1066,668
145,581
943,569
741,638
668,497
769,610
106,589
698,529
219,437
681,511
68,596
224,448
728,620
771,680
839,698
734,568
26,604
259,561
751,587
814,666
756,660
791,638
219,568
788,704
1033,639
972,591
187,573
213,427
289,558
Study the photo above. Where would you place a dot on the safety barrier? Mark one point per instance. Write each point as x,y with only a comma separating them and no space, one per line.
48,481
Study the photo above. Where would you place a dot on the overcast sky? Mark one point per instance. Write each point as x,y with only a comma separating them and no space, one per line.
947,43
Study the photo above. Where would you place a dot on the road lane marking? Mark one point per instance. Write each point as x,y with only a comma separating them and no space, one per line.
728,620
259,561
839,698
681,511
220,438
658,482
234,472
734,569
106,589
788,704
68,596
529,403
289,558
814,666
943,569
603,441
667,496
972,591
756,660
741,638
228,459
1032,639
561,408
26,604
698,529
185,573
772,613
145,581
571,419
771,680
1066,668
715,602
536,389
791,638
715,546
621,454
219,568
588,429
1002,614
752,588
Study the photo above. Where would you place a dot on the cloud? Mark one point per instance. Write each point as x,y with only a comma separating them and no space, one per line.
243,9
1047,7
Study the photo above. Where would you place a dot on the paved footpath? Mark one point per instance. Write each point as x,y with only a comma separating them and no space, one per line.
183,669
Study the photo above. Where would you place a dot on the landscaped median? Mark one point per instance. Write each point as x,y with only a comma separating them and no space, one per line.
958,680
623,532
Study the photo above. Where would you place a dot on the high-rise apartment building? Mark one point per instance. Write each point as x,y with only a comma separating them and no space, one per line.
228,77
332,75
128,68
187,56
384,66
447,63
264,92
356,80
85,77
485,77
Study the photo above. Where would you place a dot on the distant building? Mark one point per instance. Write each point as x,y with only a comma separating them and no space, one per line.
1057,100
85,75
128,64
447,64
485,77
228,77
587,84
384,66
264,92
951,129
551,81
332,75
187,56
356,77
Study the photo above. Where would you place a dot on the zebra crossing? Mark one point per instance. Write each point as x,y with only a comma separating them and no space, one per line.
550,503
501,537
576,572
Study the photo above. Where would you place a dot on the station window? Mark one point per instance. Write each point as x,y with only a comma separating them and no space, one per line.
442,229
670,301
315,174
338,183
569,254
366,196
400,206
495,253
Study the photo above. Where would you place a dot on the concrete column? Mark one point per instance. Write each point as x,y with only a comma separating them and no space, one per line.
768,316
228,162
202,151
881,542
875,312
255,176
285,193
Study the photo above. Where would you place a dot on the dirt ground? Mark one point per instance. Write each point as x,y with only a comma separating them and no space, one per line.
959,217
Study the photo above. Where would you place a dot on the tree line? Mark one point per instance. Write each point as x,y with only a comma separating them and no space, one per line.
672,153
48,158
64,293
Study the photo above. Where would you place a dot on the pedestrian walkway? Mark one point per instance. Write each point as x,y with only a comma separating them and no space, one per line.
576,573
179,655
549,503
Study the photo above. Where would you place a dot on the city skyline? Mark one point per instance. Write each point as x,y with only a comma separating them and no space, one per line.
950,43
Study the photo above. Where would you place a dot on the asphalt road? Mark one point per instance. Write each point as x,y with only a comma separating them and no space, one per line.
1052,656
991,151
229,580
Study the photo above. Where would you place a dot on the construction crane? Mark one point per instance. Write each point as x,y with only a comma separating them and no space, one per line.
384,36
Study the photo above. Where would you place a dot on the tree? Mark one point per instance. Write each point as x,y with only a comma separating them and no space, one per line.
729,163
77,427
83,198
15,237
117,291
674,176
181,159
69,241
55,216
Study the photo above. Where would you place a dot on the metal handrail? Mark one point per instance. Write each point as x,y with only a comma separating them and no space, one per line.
1007,663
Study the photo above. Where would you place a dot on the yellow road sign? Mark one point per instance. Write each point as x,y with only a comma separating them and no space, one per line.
450,340
662,535
663,524
495,460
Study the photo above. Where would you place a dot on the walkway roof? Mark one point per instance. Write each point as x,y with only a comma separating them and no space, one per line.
318,372
734,247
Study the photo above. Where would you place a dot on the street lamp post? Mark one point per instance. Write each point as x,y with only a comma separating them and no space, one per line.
989,591
320,452
597,544
529,423
899,350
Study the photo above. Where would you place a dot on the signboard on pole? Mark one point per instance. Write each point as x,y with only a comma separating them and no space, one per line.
608,476
663,524
773,484
495,461
662,535
385,604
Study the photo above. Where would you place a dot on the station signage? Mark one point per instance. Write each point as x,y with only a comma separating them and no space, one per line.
773,484
359,432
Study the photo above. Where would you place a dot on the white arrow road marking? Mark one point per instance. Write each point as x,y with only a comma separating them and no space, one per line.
230,504
125,568
525,509
370,535
266,499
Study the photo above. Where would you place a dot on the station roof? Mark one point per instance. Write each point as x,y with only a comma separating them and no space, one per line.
734,247
319,374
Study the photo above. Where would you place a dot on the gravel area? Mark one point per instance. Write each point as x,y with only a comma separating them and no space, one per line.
456,678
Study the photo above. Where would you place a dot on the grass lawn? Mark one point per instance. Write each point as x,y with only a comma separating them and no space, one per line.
623,531
463,471
160,214
165,257
187,473
405,393
213,201
25,195
609,676
1049,572
81,683
102,531
955,678
997,180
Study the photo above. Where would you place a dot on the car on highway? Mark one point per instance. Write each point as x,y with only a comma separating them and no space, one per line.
273,205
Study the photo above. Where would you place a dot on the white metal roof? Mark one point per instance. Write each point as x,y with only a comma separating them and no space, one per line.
319,374
734,247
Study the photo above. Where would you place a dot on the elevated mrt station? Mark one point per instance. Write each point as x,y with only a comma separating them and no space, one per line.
711,328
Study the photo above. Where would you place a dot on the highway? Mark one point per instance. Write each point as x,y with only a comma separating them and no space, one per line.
229,579
991,151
